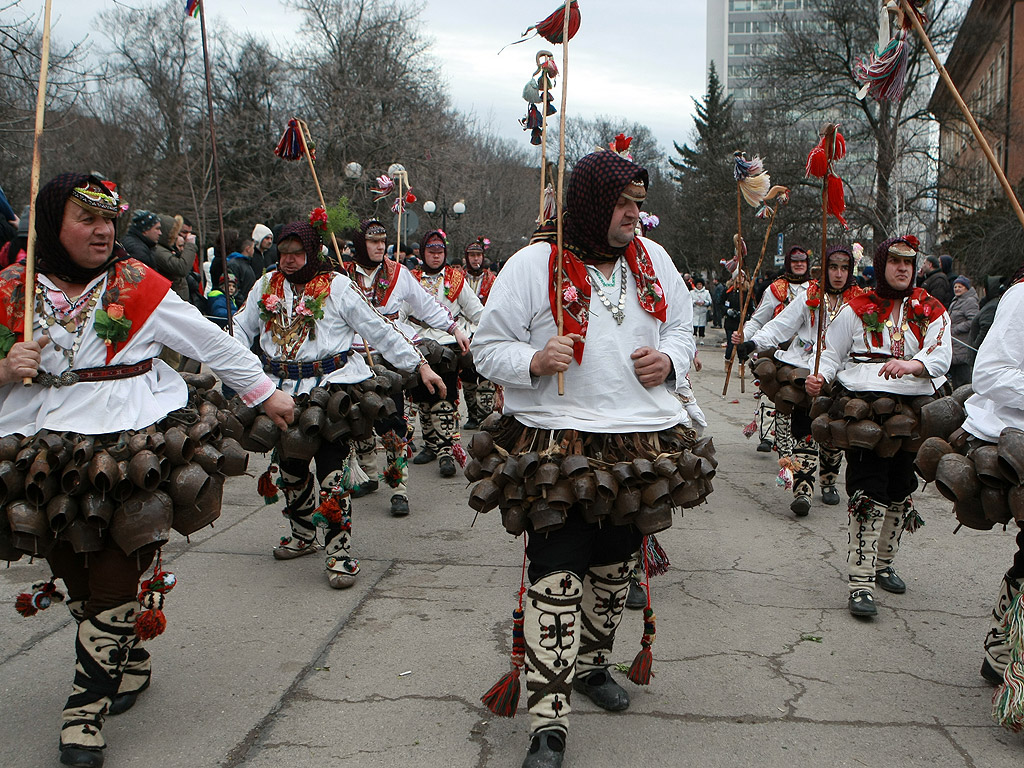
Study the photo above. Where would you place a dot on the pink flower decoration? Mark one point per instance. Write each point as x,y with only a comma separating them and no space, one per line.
303,310
570,295
272,303
657,290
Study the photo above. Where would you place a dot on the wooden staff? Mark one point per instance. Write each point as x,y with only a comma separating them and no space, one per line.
216,171
30,246
830,142
982,141
746,300
560,268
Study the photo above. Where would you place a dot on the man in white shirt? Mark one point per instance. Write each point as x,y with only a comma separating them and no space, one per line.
623,300
893,341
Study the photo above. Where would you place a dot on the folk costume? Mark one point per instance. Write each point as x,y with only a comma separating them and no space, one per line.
980,467
439,416
779,294
479,391
388,286
793,334
91,494
574,470
306,323
872,329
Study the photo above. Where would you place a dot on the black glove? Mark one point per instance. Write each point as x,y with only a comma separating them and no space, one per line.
745,350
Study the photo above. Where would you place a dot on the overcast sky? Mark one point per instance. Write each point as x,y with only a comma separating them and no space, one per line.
643,67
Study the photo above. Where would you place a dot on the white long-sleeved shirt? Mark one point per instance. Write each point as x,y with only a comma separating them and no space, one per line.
998,399
603,393
847,336
466,309
408,292
793,323
766,307
345,314
98,407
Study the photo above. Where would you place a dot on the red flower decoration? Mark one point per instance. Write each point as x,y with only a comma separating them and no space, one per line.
318,219
621,143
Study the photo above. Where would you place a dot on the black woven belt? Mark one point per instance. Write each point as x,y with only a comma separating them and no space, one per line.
289,369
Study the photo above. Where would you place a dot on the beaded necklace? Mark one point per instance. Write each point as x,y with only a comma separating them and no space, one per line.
73,320
618,311
897,330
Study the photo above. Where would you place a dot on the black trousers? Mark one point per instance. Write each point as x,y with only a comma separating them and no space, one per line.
578,546
884,480
104,579
330,457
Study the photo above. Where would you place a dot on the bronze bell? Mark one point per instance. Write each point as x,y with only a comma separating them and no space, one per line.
819,406
24,458
783,372
927,460
1010,449
338,404
294,445
1015,499
498,475
627,504
652,519
665,467
473,470
644,469
560,495
84,538
837,428
12,482
706,470
656,493
889,446
511,470
820,430
783,406
157,443
689,465
179,447
940,417
544,517
371,404
547,475
575,464
986,466
189,519
799,376
996,505
203,432
242,412
83,451
705,448
971,514
124,487
492,462
764,368
584,487
883,406
514,520
607,485
230,426
529,463
96,509
263,432
770,387
856,410
144,470
137,442
336,430
863,434
962,393
956,479
210,459
900,425
39,492
318,396
312,420
30,530
512,495
624,474
186,483
481,445
9,447
200,381
60,511
236,458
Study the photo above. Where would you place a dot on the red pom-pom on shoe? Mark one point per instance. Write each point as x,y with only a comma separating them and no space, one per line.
150,624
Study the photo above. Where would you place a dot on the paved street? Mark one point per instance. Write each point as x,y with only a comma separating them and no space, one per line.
757,662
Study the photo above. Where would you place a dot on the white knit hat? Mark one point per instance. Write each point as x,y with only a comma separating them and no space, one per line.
259,232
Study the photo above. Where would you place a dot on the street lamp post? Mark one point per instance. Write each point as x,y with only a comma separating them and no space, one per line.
430,208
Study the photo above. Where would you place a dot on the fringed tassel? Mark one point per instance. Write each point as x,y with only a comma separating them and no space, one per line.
552,27
750,429
640,670
1008,700
43,595
395,470
788,466
656,557
503,697
266,487
837,198
885,74
291,146
151,621
913,521
458,452
329,511
860,507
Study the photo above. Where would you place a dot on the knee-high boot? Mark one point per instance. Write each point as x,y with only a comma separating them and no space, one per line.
805,456
997,641
485,397
335,515
300,502
829,462
866,519
366,454
551,615
783,434
445,423
604,598
889,545
470,391
428,430
101,653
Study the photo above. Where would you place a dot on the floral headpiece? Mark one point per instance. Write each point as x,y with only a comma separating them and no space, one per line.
98,200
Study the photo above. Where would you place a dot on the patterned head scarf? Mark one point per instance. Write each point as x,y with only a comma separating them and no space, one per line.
303,231
839,252
369,229
475,247
597,181
907,243
797,279
436,234
51,257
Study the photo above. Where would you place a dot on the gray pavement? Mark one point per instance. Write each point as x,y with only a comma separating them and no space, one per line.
757,662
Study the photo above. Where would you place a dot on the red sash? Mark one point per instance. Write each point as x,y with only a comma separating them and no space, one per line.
130,283
454,280
384,281
873,311
575,289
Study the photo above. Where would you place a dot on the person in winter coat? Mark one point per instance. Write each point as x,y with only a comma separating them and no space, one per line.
717,296
142,237
962,312
240,265
701,298
172,260
936,282
732,304
995,287
218,301
263,239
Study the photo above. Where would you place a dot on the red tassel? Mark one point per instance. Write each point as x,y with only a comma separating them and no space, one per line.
266,487
329,509
640,670
150,624
503,697
42,596
291,146
23,604
837,199
817,162
551,27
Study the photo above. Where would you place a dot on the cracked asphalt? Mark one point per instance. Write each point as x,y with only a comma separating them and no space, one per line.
756,663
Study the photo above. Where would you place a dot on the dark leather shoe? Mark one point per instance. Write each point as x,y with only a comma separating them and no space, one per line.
399,506
637,598
547,748
446,466
800,506
830,495
862,603
365,489
989,672
81,757
425,456
890,581
765,446
600,687
471,423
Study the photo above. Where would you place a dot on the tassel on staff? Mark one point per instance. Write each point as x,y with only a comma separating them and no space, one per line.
503,697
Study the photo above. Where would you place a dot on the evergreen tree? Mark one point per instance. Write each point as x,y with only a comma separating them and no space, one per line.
706,192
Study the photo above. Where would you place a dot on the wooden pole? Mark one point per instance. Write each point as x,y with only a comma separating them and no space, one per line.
746,301
543,144
304,133
30,246
560,272
982,141
216,170
830,143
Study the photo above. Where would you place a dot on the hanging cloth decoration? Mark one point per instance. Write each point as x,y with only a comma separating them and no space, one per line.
551,28
291,146
151,621
884,74
753,180
821,166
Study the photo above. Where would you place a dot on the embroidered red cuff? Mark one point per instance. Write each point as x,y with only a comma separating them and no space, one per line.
260,392
453,328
